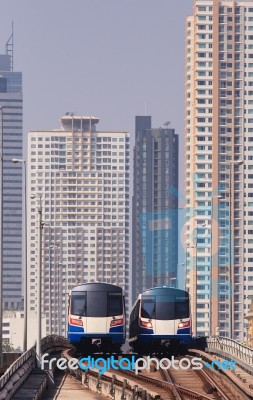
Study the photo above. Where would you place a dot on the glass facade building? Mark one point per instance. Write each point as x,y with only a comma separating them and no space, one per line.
11,101
155,207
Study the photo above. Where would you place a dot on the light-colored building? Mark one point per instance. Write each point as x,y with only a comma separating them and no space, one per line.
82,176
249,318
13,330
219,165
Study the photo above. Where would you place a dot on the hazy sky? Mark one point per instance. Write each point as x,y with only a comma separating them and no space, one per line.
106,58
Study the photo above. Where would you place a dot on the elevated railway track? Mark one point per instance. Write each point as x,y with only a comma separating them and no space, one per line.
154,384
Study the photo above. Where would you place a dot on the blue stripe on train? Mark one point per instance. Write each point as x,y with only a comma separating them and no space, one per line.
114,329
146,338
76,334
77,337
184,331
74,328
145,331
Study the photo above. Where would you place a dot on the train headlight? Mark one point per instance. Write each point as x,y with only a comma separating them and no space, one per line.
77,322
146,324
117,322
184,324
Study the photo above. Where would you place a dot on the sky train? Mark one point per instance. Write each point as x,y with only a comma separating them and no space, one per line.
96,320
160,319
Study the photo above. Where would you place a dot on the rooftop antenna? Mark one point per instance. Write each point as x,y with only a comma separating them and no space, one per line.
9,46
145,108
167,123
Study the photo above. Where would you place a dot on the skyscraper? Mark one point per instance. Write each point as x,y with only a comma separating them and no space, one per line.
11,122
218,165
155,203
82,177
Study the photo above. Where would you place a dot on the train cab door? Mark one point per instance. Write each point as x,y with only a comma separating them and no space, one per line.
96,321
165,322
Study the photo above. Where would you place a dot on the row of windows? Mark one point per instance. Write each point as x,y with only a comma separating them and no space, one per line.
78,139
78,167
79,182
72,174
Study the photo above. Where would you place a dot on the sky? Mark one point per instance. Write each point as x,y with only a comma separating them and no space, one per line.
110,58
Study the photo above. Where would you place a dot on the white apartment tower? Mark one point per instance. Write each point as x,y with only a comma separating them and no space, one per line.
82,177
219,165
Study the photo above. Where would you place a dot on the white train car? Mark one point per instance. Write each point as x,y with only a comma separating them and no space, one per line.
160,318
97,317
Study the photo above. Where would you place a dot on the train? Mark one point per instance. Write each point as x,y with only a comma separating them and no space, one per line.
160,320
96,318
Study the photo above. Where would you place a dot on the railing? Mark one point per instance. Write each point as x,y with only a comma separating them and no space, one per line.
23,366
54,343
27,358
233,350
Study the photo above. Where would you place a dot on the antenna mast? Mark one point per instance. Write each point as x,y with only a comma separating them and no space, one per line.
9,46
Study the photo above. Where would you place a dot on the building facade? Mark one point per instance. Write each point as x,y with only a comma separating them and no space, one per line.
249,318
13,330
154,207
11,130
218,165
82,178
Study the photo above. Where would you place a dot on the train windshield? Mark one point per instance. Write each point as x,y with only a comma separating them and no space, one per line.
165,307
148,307
97,304
172,307
79,303
114,306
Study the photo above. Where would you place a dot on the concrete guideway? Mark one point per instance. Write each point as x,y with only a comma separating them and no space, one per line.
67,387
22,379
242,379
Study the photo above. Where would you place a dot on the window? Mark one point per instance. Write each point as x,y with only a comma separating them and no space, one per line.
165,307
79,304
148,307
114,304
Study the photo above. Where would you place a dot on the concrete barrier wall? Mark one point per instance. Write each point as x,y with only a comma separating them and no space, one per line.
8,359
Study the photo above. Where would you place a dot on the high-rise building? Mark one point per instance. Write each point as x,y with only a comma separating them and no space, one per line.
82,177
11,127
155,206
218,165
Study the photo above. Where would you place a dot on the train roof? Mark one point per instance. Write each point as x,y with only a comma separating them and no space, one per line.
96,287
164,290
161,290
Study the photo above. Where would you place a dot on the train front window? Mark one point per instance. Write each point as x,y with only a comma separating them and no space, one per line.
181,307
165,307
96,304
79,304
148,307
171,307
114,304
